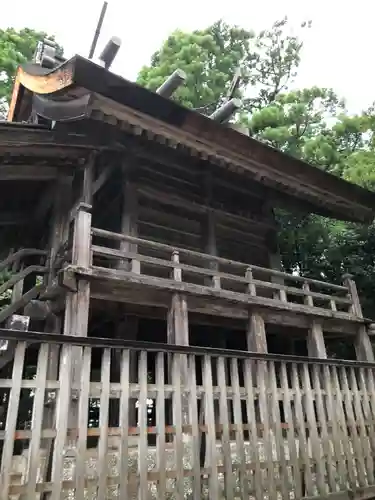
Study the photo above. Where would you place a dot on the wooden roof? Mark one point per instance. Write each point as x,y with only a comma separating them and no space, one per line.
80,91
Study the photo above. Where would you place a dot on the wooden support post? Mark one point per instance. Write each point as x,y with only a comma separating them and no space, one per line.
362,344
60,221
257,342
256,333
315,341
88,181
209,230
356,308
129,220
178,325
78,303
275,263
178,331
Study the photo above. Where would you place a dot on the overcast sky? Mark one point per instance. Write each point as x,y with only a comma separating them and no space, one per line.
337,50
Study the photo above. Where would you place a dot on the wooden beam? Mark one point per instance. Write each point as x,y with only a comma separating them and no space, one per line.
19,136
103,177
362,344
195,207
27,173
95,186
204,312
13,218
250,235
129,216
123,279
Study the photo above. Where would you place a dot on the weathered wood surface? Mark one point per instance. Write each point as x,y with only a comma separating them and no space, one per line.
312,436
214,285
19,255
154,260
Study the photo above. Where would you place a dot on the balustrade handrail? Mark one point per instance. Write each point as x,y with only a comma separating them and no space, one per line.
20,254
192,253
99,250
31,337
15,278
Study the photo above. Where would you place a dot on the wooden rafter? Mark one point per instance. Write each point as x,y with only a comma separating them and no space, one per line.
27,173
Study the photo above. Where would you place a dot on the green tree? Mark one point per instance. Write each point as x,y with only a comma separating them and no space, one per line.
16,47
211,57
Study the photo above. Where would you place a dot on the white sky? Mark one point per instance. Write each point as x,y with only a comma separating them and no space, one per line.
337,50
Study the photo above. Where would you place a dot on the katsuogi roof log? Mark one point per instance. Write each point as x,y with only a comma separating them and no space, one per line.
83,92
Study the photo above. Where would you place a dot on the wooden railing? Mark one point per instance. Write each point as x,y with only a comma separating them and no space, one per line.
226,424
25,263
154,259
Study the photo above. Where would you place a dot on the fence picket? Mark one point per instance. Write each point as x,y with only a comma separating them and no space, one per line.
11,420
329,403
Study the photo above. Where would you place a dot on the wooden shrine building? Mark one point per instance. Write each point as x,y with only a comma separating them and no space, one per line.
127,218
166,200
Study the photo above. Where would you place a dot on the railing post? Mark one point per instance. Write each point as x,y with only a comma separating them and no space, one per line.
356,308
251,288
81,253
363,347
315,338
178,327
308,300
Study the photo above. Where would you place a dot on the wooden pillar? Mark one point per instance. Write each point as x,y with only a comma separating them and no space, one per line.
256,333
257,342
209,229
178,332
77,303
60,221
362,344
178,324
128,326
276,264
129,219
315,341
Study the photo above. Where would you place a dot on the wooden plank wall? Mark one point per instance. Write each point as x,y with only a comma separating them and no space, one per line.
173,207
285,428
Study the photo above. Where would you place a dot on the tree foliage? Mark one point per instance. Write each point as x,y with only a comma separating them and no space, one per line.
309,123
211,57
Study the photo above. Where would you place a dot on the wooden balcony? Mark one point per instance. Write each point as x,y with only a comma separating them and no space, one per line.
129,269
210,423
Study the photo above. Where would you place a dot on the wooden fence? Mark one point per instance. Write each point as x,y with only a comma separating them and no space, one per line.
151,258
224,424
